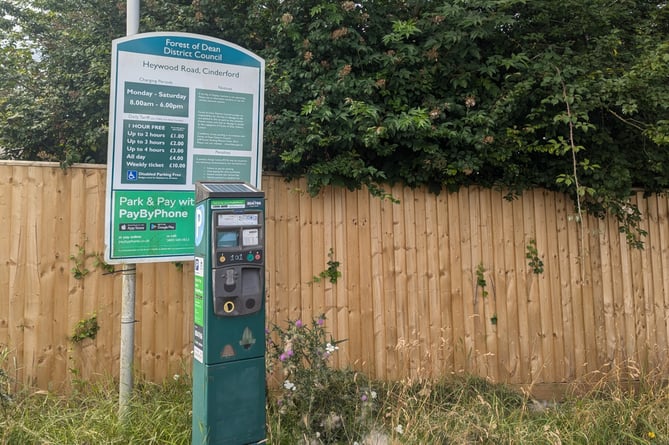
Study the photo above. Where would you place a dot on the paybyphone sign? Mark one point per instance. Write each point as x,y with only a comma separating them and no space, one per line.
184,108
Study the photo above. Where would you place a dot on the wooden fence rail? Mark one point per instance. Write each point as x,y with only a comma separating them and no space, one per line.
433,285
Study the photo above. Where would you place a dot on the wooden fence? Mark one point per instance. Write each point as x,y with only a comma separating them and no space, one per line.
433,285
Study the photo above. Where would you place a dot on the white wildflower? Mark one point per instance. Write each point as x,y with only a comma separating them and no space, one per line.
399,429
290,386
330,348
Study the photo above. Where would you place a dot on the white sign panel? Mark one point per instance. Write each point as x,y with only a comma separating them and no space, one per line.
184,108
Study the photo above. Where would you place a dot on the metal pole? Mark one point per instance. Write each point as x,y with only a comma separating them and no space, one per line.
127,352
127,339
132,25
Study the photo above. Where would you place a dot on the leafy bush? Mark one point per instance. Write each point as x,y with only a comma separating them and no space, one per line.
316,402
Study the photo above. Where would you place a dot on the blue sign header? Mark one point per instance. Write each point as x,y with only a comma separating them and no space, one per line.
191,47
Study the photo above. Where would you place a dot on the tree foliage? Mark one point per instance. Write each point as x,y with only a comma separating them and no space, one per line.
55,95
566,95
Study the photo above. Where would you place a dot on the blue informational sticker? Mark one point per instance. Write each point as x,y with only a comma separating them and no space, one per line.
199,224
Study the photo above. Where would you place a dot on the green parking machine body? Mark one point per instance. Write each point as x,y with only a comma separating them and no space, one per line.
229,314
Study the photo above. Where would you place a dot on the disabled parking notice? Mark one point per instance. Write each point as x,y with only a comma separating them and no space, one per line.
184,108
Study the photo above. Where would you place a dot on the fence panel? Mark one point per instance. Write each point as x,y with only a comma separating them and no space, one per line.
433,285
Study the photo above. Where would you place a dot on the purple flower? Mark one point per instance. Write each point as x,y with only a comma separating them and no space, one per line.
320,321
286,355
364,397
298,324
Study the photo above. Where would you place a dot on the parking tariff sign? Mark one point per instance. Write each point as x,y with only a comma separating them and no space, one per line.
183,108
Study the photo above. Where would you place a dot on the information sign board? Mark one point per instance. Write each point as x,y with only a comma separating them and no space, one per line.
184,108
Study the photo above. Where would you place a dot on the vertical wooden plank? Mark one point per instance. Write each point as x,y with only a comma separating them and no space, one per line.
536,357
350,257
16,291
329,289
271,253
94,289
544,300
364,296
460,341
186,345
379,291
498,318
634,291
326,243
598,257
29,278
656,281
163,294
576,268
470,258
478,299
393,369
282,252
591,302
488,305
178,326
109,288
352,346
646,318
50,279
146,282
65,287
552,273
83,357
409,283
562,285
509,324
292,218
444,318
630,298
663,260
477,309
400,276
525,337
615,272
306,253
318,252
8,257
429,249
77,241
602,285
111,294
419,287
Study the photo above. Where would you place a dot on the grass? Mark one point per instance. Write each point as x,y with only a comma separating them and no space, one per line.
457,410
159,414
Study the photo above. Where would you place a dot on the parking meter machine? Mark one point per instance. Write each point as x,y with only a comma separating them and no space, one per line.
229,314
